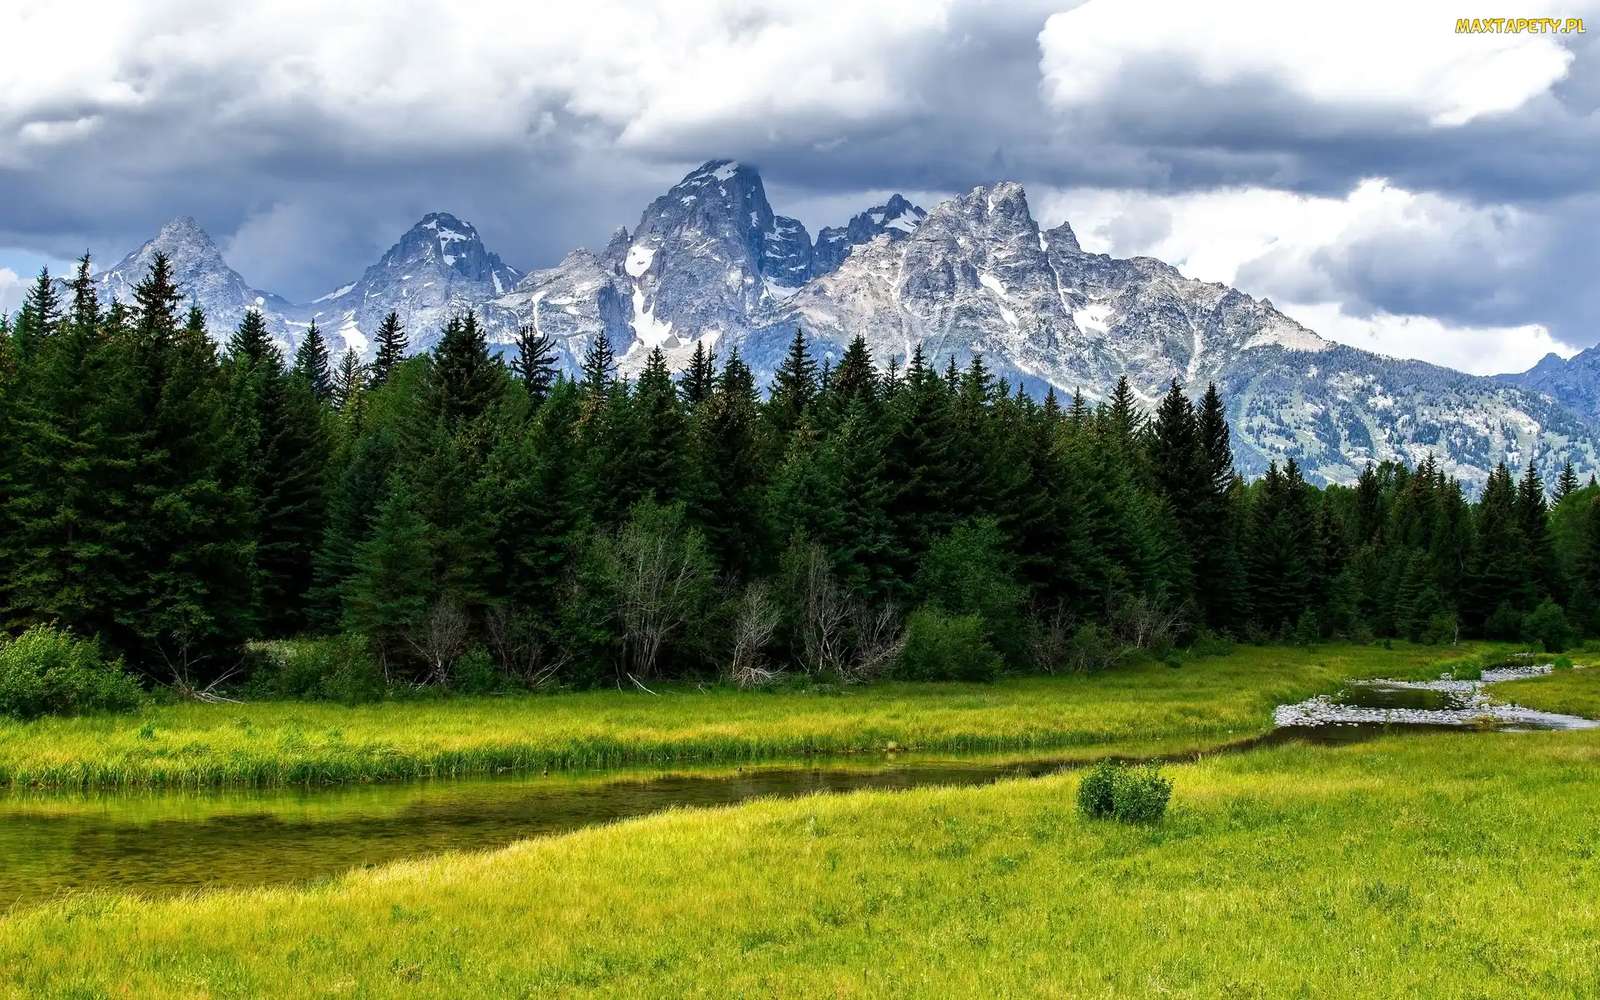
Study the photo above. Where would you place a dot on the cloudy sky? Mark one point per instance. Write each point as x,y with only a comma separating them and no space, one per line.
1384,180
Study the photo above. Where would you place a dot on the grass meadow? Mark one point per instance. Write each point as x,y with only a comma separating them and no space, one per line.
1206,702
1436,865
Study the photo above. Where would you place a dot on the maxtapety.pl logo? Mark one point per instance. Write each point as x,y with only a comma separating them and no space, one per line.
1519,25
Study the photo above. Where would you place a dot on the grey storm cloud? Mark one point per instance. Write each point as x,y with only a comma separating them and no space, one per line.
307,138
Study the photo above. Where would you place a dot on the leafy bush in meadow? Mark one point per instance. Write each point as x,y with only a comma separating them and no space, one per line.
338,668
49,671
1547,625
1131,794
941,647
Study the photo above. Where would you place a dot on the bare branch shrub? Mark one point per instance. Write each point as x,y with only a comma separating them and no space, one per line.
824,614
658,576
755,620
1050,643
1147,624
440,639
519,649
879,641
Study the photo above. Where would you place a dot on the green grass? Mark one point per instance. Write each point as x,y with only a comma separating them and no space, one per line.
1569,692
1208,702
1426,865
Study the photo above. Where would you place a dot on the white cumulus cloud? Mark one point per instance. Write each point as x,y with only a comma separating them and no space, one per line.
1372,55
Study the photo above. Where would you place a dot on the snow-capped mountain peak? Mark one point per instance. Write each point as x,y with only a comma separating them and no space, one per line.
439,267
897,218
203,277
711,262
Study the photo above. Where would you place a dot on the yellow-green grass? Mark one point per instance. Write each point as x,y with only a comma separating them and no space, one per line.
1437,865
1205,703
1569,692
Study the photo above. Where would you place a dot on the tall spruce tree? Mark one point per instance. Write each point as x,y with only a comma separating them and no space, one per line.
1533,514
855,378
700,378
729,474
599,366
392,348
463,380
659,433
39,316
1567,483
349,380
390,591
313,365
794,388
535,364
280,454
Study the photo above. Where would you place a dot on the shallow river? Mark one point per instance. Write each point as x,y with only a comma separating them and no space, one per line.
166,842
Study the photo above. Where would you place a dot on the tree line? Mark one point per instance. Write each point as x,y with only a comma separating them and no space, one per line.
174,501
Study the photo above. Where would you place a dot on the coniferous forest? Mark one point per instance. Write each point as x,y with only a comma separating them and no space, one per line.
460,521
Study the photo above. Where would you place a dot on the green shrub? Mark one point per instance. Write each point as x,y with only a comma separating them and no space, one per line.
1141,794
335,668
1547,625
1504,623
941,647
475,673
1209,643
1092,647
970,572
1440,629
47,671
1307,630
1561,663
1131,794
1095,792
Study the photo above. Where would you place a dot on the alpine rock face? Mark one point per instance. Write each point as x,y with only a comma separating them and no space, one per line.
1573,382
204,278
438,269
896,218
710,262
705,258
977,276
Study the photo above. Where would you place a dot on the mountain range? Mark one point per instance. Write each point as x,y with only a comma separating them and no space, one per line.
709,261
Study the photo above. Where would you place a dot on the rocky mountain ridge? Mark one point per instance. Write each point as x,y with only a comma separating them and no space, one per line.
709,261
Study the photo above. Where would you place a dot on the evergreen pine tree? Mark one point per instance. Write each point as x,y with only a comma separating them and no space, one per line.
1567,483
389,593
1126,421
280,453
39,316
1182,472
535,365
250,344
728,474
659,432
312,364
1533,515
855,378
700,378
354,499
920,465
599,366
463,380
392,348
794,387
349,381
1498,567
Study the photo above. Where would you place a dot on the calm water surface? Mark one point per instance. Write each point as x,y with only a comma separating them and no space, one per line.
167,842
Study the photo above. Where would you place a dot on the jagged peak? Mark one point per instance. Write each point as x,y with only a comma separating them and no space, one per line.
444,222
184,226
1003,199
1062,238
